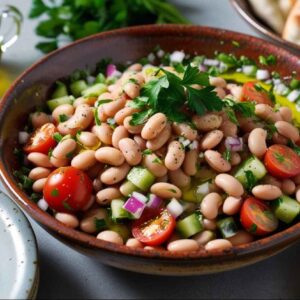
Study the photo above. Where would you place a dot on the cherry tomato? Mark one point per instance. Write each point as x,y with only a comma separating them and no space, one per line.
67,189
251,93
257,218
42,139
154,231
281,161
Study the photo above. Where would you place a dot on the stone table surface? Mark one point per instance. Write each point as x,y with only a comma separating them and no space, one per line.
66,274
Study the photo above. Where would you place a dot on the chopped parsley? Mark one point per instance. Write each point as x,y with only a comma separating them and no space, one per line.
62,118
96,117
227,155
269,60
57,137
236,44
55,192
24,181
253,228
99,223
250,180
271,130
66,205
157,161
147,152
295,147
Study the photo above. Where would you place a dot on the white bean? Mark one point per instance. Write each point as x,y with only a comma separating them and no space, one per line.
165,190
39,159
184,245
257,142
64,148
211,139
110,156
207,122
216,161
154,126
119,133
131,151
67,219
84,160
134,243
288,187
229,185
179,178
114,175
105,196
110,236
287,130
210,205
175,156
240,238
218,245
232,205
38,173
154,164
160,140
266,192
39,184
104,133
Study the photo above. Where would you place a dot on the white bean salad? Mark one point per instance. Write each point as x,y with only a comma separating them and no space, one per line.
174,153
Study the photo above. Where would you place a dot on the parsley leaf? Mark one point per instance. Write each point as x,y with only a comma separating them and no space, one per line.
139,118
193,76
295,147
269,60
227,155
250,180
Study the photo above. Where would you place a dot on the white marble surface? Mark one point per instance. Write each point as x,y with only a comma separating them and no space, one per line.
67,274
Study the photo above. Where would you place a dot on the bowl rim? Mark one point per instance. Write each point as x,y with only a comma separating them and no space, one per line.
259,26
276,241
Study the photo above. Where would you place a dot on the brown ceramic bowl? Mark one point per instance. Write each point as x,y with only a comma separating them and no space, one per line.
32,87
243,7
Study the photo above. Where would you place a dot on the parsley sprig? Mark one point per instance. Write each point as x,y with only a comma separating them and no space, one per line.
73,19
169,94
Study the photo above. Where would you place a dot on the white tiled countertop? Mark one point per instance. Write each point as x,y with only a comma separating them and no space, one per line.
67,274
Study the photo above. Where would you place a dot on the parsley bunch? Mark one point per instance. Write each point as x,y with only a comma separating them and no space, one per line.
169,94
75,19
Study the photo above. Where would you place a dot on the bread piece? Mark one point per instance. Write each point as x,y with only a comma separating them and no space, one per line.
269,11
291,30
286,6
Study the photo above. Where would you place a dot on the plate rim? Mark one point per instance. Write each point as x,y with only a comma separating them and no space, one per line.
27,289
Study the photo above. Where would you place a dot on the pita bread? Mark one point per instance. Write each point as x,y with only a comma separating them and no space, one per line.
269,11
291,30
286,6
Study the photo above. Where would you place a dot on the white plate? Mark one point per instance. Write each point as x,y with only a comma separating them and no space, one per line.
18,253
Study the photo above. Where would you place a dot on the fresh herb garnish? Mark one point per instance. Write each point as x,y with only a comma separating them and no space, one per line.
269,60
67,20
96,117
250,180
271,130
169,93
24,181
99,223
157,161
227,155
245,109
57,137
253,228
147,152
54,192
62,118
295,147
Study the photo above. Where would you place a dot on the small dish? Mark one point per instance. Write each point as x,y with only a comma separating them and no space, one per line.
244,9
19,261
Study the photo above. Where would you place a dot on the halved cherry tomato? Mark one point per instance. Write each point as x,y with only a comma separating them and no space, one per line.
281,161
68,189
154,231
251,93
257,218
42,139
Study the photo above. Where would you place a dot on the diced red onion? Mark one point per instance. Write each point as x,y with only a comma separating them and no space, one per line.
111,71
23,137
42,204
134,206
262,74
202,68
211,62
154,201
175,208
234,143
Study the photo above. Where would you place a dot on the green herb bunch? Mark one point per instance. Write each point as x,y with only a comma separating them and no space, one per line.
75,19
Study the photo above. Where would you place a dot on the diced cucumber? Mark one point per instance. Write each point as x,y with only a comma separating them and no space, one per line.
94,90
141,177
190,225
196,194
127,188
77,87
121,229
117,210
254,165
227,227
285,208
100,78
53,103
60,90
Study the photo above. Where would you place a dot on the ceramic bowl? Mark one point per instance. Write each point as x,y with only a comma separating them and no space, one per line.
244,9
32,87
19,259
